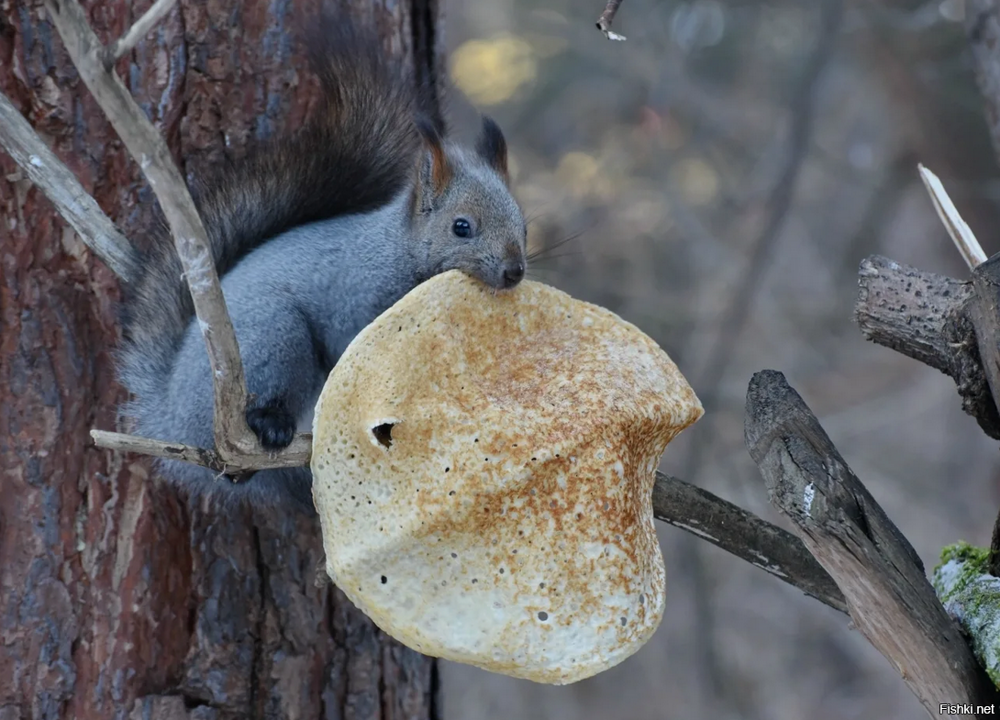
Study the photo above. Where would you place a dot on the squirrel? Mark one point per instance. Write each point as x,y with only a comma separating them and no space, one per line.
314,235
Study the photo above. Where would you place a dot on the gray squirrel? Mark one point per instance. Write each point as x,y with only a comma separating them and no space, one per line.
314,236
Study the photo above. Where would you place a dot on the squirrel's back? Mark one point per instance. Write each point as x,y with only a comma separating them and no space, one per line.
353,154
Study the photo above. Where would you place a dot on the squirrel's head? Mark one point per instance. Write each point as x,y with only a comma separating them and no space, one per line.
463,214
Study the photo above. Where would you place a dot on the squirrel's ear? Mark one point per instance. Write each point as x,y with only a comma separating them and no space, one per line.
492,147
434,171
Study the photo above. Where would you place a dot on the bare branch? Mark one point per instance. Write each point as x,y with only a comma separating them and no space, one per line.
608,17
925,316
144,143
295,455
65,192
888,595
676,502
137,32
907,309
745,535
968,247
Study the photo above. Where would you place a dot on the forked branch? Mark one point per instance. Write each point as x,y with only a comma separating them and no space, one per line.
235,443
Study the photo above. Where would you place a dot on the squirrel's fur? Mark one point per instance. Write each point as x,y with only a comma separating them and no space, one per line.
313,236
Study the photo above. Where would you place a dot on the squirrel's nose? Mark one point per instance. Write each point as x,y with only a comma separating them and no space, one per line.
513,272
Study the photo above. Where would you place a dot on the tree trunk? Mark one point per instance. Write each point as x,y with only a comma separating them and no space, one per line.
116,599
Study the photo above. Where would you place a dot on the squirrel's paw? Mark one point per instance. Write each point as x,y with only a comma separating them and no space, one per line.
273,424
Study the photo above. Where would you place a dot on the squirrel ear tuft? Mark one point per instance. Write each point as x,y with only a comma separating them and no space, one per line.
434,171
492,147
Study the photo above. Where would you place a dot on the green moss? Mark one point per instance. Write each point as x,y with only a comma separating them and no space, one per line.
964,552
973,597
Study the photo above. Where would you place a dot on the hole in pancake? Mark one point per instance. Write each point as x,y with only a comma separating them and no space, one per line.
380,432
383,433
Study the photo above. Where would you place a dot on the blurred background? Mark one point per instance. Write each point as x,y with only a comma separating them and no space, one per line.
719,176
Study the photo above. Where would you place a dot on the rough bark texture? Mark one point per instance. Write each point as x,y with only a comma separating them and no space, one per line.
930,318
116,599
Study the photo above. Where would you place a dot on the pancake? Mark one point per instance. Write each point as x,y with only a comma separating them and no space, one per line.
483,467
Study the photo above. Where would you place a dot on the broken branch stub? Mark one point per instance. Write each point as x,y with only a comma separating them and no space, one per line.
607,18
925,316
888,595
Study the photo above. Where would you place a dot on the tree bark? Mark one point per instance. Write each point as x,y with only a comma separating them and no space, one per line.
117,600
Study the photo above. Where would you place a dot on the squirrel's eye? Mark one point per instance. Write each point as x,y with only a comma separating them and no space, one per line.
462,228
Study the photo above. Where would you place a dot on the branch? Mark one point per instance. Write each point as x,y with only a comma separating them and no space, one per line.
985,317
925,316
144,143
983,29
744,535
676,502
65,192
295,455
137,32
607,17
888,596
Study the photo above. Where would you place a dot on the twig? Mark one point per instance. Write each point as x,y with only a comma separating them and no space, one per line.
64,191
888,595
745,535
143,25
961,235
232,435
296,455
676,502
608,17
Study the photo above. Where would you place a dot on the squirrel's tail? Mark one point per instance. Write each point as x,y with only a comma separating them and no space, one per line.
353,155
